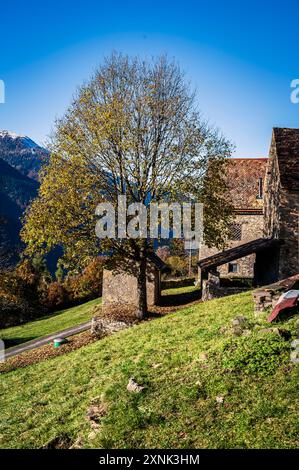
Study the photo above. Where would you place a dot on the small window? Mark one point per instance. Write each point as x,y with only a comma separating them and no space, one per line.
232,267
235,232
260,189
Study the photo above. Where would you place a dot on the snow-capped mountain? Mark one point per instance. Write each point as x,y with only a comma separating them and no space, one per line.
22,153
23,139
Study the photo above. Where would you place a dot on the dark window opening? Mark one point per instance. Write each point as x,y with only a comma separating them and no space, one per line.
260,193
232,267
235,232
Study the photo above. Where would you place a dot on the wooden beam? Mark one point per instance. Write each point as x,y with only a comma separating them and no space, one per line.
237,252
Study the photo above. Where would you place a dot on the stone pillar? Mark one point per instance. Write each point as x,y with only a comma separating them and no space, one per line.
210,286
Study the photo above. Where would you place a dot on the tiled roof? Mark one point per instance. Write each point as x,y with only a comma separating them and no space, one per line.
287,148
243,182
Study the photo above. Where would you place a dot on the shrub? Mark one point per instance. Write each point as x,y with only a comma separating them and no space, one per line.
178,265
26,272
56,296
236,282
26,292
177,283
255,355
88,285
19,300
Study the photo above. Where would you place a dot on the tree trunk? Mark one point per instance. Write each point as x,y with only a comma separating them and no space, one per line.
141,311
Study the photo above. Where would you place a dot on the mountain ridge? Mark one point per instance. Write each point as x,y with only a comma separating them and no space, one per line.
20,162
22,153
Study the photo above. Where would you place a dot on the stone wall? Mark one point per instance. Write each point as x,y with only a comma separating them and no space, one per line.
120,290
272,195
282,218
266,298
252,228
289,233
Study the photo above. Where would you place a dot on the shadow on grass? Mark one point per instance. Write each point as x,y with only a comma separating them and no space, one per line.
9,343
175,300
287,314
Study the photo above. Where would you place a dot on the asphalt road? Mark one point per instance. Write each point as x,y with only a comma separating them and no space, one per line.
36,343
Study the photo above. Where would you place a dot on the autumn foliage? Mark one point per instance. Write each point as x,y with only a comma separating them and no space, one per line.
135,130
27,293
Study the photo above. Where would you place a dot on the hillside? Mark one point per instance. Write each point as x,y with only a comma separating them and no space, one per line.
51,323
20,162
205,387
16,192
22,153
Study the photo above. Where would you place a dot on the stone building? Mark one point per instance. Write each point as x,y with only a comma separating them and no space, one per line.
281,219
276,252
120,287
245,181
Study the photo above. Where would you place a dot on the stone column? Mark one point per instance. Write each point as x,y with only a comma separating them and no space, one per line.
210,286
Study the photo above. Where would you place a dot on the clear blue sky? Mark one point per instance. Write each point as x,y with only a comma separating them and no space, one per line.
240,56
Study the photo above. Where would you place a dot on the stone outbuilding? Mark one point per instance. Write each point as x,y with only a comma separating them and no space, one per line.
245,178
281,218
120,287
277,251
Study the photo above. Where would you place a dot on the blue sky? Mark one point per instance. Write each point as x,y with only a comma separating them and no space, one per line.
240,56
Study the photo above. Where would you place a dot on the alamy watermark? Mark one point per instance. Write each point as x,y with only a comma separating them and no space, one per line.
295,93
2,92
152,221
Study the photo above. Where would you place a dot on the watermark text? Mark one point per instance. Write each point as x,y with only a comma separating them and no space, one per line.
156,220
295,93
2,92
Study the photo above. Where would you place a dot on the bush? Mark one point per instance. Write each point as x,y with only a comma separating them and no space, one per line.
88,285
178,265
176,283
27,292
26,272
256,355
19,297
15,312
245,282
56,296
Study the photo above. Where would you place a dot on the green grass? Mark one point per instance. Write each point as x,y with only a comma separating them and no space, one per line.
63,319
49,324
178,408
179,290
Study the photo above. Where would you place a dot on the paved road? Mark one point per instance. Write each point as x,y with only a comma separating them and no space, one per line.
36,343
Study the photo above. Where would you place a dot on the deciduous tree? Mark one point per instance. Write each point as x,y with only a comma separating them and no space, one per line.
133,130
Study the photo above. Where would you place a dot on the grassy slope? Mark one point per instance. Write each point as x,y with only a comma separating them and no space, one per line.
58,321
178,407
179,290
49,324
